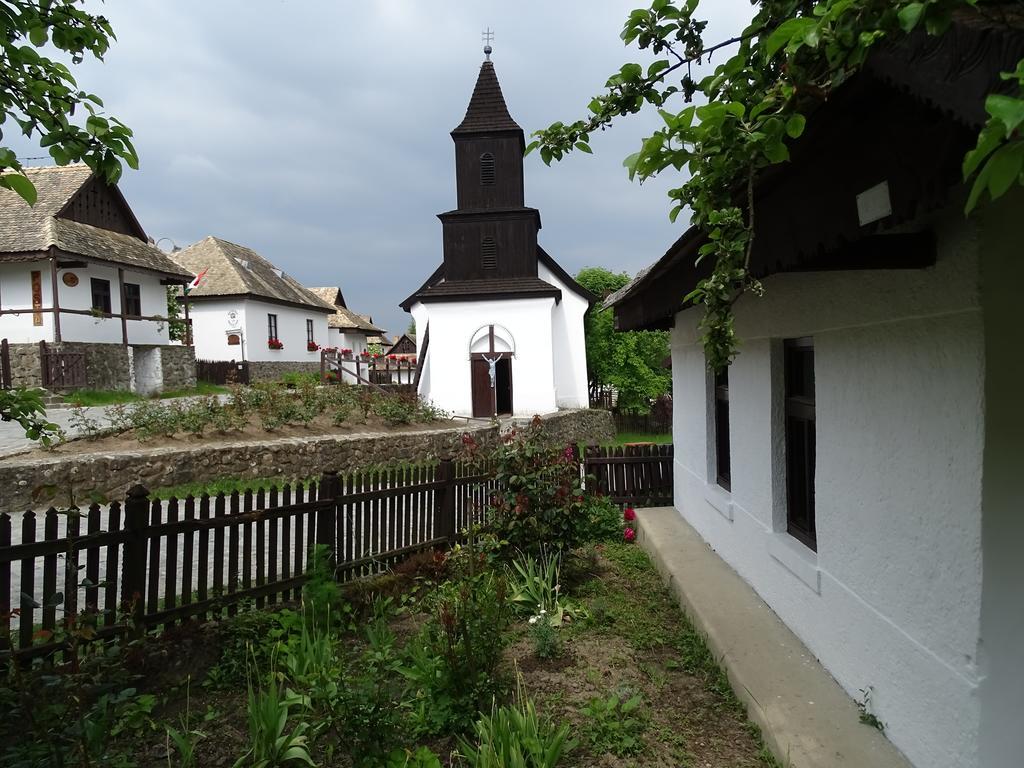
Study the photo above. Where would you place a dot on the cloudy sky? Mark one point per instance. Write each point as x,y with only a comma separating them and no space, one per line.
316,132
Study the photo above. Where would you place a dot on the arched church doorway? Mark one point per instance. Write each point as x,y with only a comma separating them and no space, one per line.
491,350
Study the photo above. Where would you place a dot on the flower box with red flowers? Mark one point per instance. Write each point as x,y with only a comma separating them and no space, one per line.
275,344
346,352
312,346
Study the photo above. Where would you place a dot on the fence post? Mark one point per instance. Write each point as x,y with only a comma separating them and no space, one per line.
444,500
133,574
327,515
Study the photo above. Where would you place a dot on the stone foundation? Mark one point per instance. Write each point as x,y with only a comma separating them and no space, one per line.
110,366
40,482
272,370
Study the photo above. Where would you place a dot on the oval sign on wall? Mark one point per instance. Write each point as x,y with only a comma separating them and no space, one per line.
70,279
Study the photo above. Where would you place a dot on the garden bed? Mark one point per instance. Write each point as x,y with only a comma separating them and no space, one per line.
633,682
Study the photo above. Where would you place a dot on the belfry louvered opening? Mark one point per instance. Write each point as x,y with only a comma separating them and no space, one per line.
489,253
487,168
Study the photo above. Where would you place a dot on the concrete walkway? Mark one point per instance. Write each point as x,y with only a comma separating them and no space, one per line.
807,719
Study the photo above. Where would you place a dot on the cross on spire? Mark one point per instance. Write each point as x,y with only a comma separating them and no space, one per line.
487,36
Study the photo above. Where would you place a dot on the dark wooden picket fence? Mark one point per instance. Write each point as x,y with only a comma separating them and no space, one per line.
127,567
640,475
222,371
148,563
642,423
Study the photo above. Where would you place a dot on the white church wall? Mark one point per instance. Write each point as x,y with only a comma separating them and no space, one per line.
452,325
891,598
570,352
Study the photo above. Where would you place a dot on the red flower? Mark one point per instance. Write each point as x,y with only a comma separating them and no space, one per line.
629,514
629,534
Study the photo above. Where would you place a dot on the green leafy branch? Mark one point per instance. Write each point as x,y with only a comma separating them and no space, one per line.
790,58
41,95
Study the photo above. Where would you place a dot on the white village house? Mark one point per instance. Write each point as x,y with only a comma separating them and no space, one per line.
859,462
83,292
246,309
345,328
499,325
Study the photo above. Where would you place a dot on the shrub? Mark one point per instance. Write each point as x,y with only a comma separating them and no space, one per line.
600,520
452,664
298,379
547,642
395,410
539,501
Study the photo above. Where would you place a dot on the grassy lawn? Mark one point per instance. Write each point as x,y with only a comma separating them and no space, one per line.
90,397
384,675
634,437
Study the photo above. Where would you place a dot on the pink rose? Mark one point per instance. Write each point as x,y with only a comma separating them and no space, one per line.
629,534
629,514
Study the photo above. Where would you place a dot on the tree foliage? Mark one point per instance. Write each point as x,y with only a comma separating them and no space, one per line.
630,361
25,406
757,101
41,95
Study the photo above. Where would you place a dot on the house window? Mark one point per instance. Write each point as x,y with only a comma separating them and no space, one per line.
486,169
489,253
723,470
132,300
800,440
271,326
100,295
309,332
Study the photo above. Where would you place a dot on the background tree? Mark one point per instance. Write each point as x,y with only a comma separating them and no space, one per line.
758,100
630,361
41,96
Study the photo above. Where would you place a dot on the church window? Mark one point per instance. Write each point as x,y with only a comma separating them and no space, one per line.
489,253
486,168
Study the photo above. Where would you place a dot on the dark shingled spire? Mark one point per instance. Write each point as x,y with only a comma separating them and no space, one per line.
487,110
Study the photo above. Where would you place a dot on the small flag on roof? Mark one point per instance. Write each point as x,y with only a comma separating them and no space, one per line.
195,283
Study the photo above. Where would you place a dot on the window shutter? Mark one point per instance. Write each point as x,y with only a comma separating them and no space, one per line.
486,169
489,253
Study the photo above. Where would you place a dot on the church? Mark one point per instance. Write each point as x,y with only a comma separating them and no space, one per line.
499,324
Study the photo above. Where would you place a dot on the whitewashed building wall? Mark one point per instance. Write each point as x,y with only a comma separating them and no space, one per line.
569,345
892,598
211,327
16,293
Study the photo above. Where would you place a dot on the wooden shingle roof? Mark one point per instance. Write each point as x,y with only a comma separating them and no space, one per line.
487,110
343,318
234,270
28,231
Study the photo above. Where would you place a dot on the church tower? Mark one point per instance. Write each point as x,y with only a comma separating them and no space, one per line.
499,309
492,234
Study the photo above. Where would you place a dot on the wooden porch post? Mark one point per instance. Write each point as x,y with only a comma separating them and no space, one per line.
188,323
56,300
124,320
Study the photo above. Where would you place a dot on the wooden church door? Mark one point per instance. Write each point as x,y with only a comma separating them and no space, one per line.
483,395
491,400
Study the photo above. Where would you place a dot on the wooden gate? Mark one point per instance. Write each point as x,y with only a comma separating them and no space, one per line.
222,371
62,370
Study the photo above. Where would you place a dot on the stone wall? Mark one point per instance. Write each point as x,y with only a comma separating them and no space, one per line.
179,366
26,368
39,482
273,370
107,366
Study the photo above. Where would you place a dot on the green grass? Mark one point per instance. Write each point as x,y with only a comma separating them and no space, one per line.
90,397
635,437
